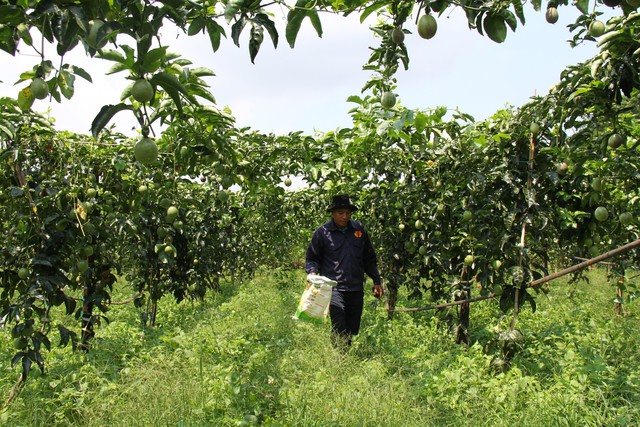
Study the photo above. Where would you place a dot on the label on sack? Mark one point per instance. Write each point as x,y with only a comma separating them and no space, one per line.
315,300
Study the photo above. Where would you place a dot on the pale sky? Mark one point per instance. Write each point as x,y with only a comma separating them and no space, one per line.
306,88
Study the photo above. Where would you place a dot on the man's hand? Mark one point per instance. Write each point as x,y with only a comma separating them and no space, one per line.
378,291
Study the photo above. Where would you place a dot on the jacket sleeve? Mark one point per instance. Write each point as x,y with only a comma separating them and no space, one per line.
312,264
371,261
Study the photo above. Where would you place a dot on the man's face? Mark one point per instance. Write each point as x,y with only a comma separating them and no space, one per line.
341,217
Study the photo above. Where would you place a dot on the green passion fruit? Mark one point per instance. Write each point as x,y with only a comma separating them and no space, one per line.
146,151
601,213
596,28
142,91
427,26
39,88
388,99
397,36
551,15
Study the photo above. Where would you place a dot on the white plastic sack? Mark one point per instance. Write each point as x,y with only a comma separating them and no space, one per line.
314,303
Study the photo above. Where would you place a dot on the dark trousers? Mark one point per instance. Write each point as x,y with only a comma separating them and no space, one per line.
345,311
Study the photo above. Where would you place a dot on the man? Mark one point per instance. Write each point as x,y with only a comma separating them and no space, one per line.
342,251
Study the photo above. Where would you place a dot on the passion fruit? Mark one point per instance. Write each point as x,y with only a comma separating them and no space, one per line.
88,250
388,99
39,88
601,213
626,218
427,26
142,91
616,140
551,15
596,28
223,195
146,151
172,212
83,265
397,36
561,168
534,128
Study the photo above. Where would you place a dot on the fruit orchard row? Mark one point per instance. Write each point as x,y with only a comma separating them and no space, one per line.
444,199
449,201
78,213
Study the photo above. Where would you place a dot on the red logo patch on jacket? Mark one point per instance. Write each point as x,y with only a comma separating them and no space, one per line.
358,234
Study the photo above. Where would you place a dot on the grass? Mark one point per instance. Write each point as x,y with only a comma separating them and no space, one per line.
239,359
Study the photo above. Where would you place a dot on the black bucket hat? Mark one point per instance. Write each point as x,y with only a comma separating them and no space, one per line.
341,202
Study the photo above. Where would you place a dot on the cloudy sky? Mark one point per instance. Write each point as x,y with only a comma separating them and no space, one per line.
306,88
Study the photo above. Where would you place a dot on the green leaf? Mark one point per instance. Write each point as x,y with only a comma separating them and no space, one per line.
370,9
583,6
111,55
152,60
9,131
315,21
105,115
7,42
202,72
264,20
472,16
420,122
64,333
236,30
478,24
25,99
255,40
230,10
11,15
116,68
510,19
196,26
203,93
294,20
81,72
65,30
495,28
215,32
507,299
65,83
517,6
173,88
532,301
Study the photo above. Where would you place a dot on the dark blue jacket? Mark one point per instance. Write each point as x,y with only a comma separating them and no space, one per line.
344,256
